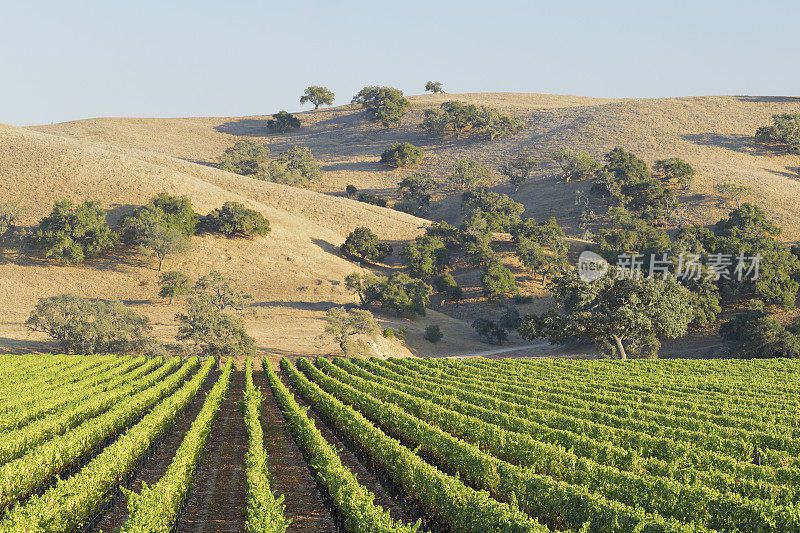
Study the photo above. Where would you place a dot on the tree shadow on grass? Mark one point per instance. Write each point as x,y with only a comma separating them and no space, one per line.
26,346
738,143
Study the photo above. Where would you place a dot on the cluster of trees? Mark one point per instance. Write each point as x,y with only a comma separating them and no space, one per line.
85,326
212,322
754,333
415,193
784,132
161,228
399,292
295,166
386,105
459,117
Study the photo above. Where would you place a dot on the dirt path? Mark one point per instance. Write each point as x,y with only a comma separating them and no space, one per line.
351,461
291,475
153,468
218,500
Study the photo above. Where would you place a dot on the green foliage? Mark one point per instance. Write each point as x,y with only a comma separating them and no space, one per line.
497,281
468,174
388,333
433,333
72,234
351,190
383,104
372,199
174,285
500,212
401,155
364,244
425,257
624,314
677,170
248,158
575,165
628,181
214,333
785,131
296,166
415,192
518,170
221,292
634,235
489,331
341,325
9,217
283,121
433,87
402,294
510,319
754,334
446,283
445,232
86,326
735,193
317,95
235,220
364,286
477,241
458,117
160,241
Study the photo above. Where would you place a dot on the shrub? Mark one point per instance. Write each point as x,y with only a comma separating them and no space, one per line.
283,121
86,326
433,333
433,87
317,96
351,190
401,155
234,219
402,333
248,158
446,283
369,198
383,104
72,234
364,244
468,174
388,333
510,319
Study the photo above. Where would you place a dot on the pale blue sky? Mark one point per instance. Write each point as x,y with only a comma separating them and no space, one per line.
79,59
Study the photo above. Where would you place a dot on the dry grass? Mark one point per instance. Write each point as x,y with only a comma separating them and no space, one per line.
295,274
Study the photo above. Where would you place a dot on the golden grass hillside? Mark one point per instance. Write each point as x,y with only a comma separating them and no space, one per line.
713,133
295,274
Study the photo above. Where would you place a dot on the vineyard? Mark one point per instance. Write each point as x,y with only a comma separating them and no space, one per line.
132,444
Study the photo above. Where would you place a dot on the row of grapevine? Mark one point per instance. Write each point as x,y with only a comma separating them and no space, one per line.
22,382
671,452
22,476
156,508
14,444
655,494
67,505
47,401
559,504
265,512
352,500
